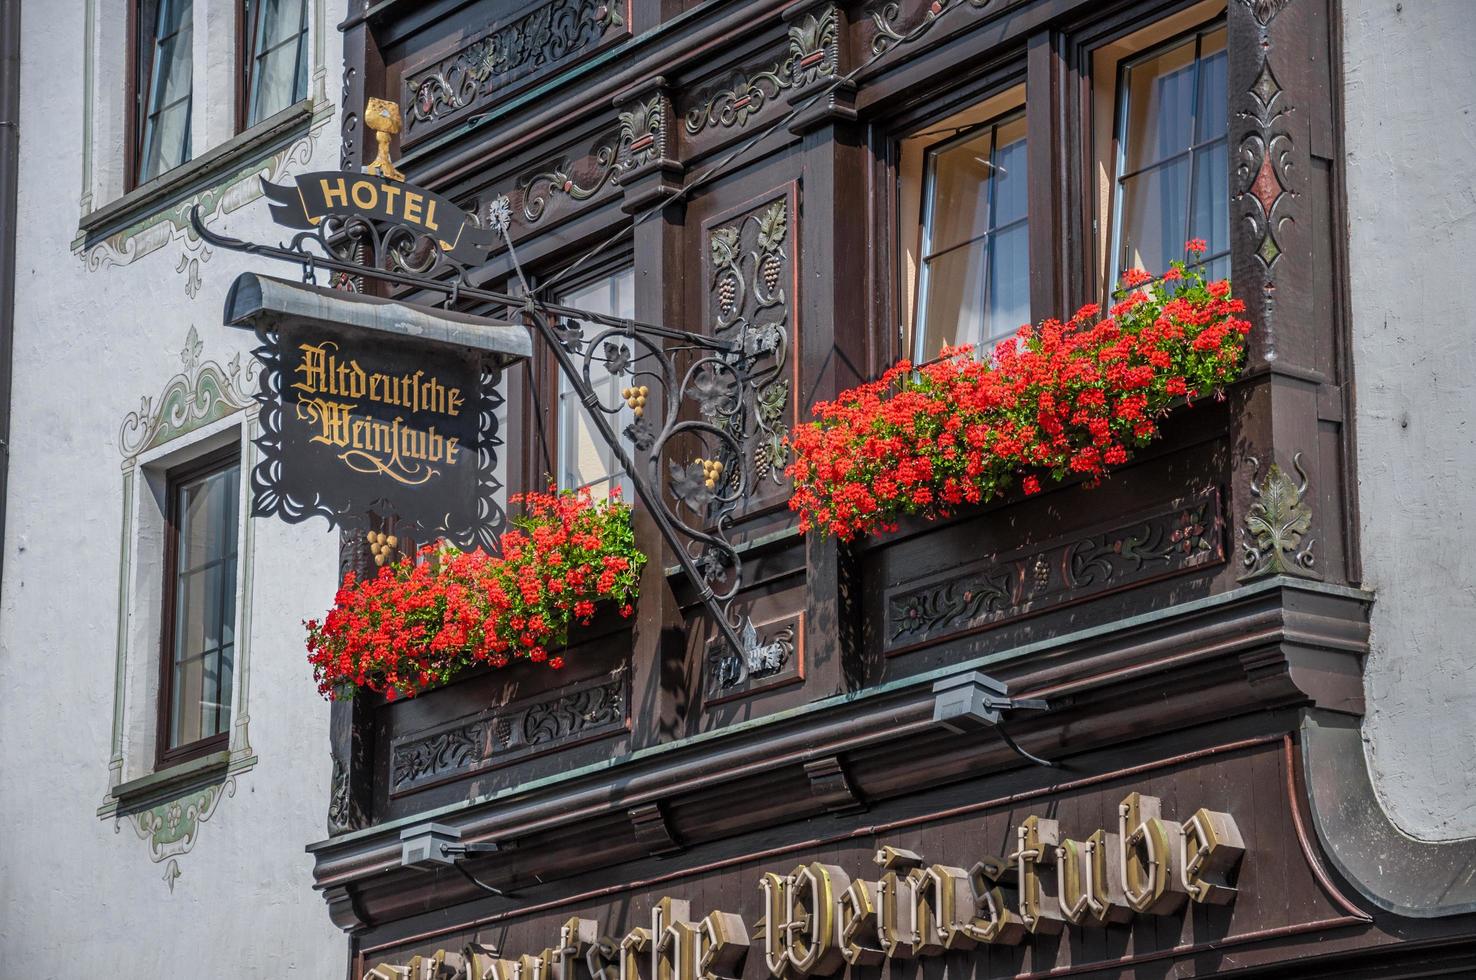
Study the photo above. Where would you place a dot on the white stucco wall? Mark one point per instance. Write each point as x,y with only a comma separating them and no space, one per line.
1411,133
96,332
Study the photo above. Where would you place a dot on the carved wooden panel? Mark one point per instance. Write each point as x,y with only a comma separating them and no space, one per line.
752,282
774,658
504,57
1172,538
511,733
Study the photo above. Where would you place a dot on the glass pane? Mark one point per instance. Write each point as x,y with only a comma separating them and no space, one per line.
958,209
1159,107
197,618
952,300
1009,283
278,61
1154,226
1214,98
273,83
207,515
1210,217
166,132
584,458
279,20
1009,174
188,682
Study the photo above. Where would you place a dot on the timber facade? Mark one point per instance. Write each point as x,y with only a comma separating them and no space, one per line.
1195,625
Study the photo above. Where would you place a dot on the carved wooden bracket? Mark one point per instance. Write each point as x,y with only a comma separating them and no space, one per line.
817,57
650,172
830,786
652,830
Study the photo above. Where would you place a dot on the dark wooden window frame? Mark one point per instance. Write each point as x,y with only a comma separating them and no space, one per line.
1061,195
139,74
927,178
216,460
246,58
1114,217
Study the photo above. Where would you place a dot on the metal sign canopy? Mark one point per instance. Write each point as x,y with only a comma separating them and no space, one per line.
687,396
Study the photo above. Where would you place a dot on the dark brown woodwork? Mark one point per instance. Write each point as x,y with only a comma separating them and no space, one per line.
1173,657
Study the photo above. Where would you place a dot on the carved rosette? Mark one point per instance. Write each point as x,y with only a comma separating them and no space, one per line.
1275,537
553,33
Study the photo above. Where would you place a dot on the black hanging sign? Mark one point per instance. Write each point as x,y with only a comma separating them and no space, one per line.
373,405
335,193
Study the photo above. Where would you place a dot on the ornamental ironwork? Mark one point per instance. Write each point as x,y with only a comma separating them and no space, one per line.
671,424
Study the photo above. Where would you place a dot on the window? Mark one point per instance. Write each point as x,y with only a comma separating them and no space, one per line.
974,273
1173,182
199,606
584,460
275,65
163,76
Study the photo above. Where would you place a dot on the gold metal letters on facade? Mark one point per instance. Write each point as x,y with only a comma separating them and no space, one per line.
817,920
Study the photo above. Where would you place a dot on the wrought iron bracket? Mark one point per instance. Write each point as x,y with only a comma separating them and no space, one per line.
696,385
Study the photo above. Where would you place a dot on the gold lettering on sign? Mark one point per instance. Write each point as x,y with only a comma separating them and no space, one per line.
817,920
1150,852
330,388
1035,856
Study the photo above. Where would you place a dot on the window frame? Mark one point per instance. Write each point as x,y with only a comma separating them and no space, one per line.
1113,268
214,461
246,60
547,384
913,331
138,81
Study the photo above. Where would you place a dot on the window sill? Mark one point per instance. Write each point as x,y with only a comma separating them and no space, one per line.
177,184
172,780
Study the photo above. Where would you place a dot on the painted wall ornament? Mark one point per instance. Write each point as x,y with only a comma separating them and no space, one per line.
198,395
172,828
1275,539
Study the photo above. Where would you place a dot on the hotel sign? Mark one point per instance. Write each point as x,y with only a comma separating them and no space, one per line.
818,921
334,193
377,420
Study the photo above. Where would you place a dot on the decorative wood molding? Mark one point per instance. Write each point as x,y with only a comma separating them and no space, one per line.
553,34
752,282
831,787
570,716
1177,537
773,656
896,23
811,55
649,172
1274,531
652,831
